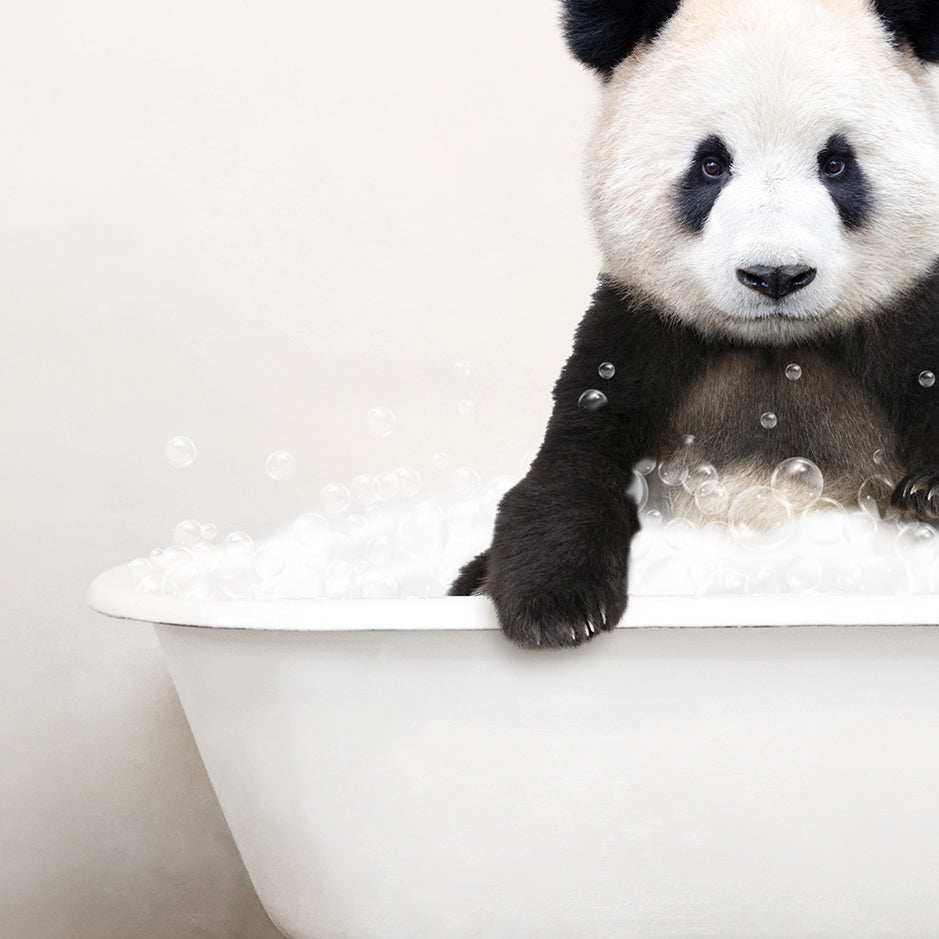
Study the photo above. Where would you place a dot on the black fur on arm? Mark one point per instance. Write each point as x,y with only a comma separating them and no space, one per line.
557,566
913,22
889,356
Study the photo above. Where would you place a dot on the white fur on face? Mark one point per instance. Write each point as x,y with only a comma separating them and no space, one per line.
774,81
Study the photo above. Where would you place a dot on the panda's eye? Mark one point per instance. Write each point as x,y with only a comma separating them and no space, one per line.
713,168
833,166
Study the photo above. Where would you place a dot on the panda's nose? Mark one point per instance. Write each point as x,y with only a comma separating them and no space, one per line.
776,282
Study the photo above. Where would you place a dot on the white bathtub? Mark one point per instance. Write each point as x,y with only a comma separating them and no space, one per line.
393,769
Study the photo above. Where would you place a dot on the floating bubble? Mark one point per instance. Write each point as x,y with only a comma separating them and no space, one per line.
335,498
874,494
698,475
768,420
920,538
180,452
793,371
187,533
886,575
673,471
652,518
280,465
423,532
462,369
385,486
927,379
607,370
592,400
645,466
879,457
800,475
465,482
766,579
638,491
237,547
380,422
466,407
758,517
209,532
711,498
362,491
409,482
860,528
440,460
687,440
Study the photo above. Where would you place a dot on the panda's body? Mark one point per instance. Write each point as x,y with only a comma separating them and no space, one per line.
764,182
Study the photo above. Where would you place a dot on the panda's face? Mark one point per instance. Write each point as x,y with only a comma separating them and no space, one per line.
768,171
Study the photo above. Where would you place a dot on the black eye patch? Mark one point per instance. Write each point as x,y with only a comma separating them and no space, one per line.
845,181
702,183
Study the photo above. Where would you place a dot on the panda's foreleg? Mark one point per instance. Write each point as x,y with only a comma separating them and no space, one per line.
557,566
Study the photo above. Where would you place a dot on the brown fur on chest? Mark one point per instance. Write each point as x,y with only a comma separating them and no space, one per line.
743,416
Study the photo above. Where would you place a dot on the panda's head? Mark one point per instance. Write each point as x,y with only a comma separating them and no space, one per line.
764,170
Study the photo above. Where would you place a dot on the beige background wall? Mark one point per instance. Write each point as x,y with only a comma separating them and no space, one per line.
247,223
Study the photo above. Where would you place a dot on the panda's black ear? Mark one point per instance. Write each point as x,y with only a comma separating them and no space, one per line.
914,23
601,33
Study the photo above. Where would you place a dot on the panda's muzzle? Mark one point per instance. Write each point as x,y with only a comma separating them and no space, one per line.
776,282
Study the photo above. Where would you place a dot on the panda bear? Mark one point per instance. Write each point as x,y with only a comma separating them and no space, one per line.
764,184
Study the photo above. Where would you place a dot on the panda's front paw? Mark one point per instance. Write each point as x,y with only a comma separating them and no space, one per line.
918,493
566,614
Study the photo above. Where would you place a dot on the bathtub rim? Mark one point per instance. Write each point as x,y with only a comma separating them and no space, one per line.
114,594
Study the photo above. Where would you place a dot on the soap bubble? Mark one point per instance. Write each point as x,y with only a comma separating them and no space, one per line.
139,569
237,547
652,518
645,466
280,465
800,475
465,482
607,370
310,528
187,533
385,486
793,371
860,528
466,407
463,517
927,379
768,420
440,460
380,422
711,498
269,560
335,498
362,491
673,471
592,400
409,481
700,474
356,525
180,452
879,457
638,491
875,492
462,369
423,532
757,517
920,538
209,532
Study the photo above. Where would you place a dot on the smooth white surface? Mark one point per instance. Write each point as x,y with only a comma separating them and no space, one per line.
114,593
653,784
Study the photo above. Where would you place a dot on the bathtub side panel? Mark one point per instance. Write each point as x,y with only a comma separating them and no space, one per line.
654,784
